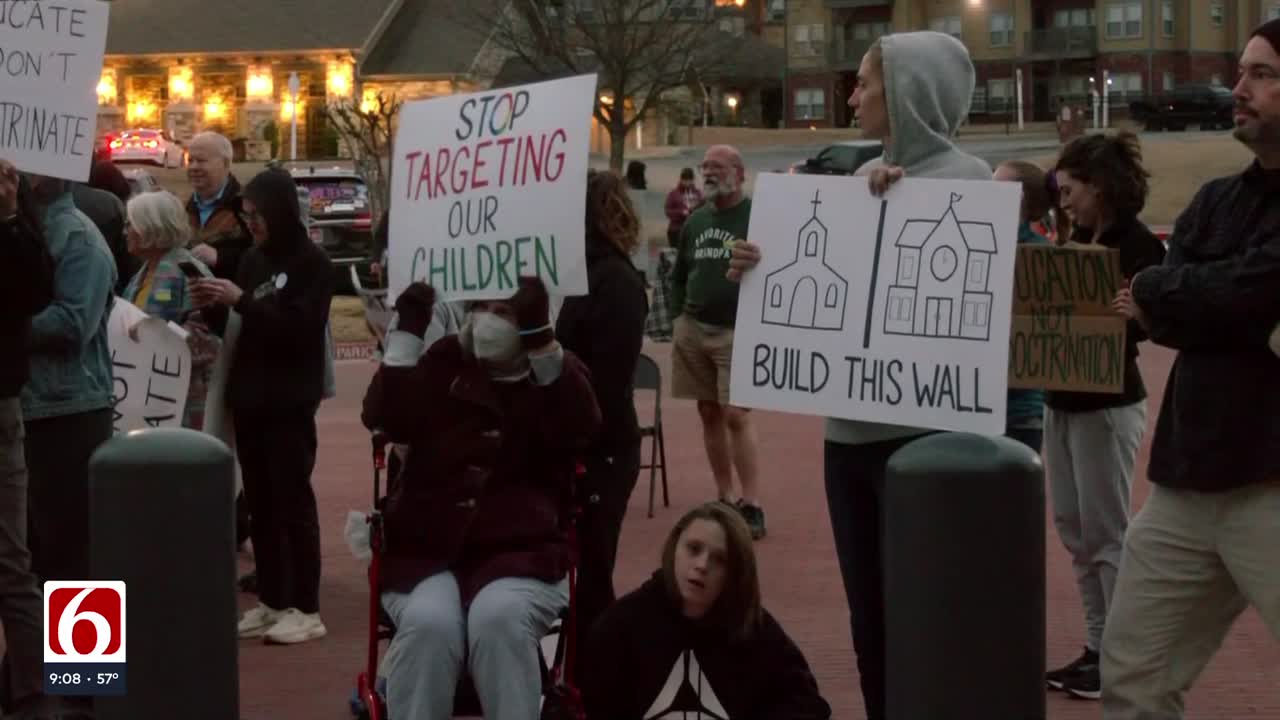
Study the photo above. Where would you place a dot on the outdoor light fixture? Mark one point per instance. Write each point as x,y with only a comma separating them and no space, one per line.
338,79
107,89
287,108
181,85
369,101
140,111
258,84
214,109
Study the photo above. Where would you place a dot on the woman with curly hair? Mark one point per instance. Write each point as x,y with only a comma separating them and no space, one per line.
605,328
1091,439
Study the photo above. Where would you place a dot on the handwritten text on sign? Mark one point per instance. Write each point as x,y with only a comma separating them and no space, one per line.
1065,335
492,186
152,374
50,64
893,311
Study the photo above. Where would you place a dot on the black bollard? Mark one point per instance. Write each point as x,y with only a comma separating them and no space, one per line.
162,508
964,580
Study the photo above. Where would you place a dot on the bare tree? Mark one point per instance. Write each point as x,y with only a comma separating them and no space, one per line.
641,49
368,130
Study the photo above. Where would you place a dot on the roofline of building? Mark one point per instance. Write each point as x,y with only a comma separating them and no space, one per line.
375,36
222,53
415,77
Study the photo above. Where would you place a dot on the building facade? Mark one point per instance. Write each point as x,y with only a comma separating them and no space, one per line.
1058,49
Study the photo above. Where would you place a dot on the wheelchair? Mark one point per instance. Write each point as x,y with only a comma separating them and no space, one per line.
560,696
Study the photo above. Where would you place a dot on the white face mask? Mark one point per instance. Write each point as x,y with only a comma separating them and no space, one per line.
494,339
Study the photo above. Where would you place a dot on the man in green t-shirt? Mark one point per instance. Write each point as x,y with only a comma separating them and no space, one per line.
704,303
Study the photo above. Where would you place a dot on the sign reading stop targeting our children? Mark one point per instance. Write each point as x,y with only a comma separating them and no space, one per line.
893,310
50,65
488,187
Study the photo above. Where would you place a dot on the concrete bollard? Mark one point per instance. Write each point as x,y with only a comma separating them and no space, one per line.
162,509
964,580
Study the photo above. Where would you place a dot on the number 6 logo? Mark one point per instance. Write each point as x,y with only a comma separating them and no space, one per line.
84,621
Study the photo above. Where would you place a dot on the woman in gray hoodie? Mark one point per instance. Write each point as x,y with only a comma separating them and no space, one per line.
912,93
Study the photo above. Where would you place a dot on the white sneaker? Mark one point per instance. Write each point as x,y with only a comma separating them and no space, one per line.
295,626
257,621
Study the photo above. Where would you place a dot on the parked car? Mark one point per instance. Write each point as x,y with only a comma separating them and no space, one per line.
340,217
141,181
148,146
1209,106
842,158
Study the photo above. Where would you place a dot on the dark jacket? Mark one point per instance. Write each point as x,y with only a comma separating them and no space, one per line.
640,640
225,230
605,329
485,490
26,287
1215,300
108,213
288,285
1139,249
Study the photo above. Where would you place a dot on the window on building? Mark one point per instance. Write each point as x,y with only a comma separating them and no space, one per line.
978,103
1070,86
1124,20
1167,18
777,10
1079,17
1216,13
807,40
811,104
949,25
689,9
1274,12
999,95
870,31
1169,81
1001,27
1126,84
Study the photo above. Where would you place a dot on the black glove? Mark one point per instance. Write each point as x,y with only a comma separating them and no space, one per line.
532,307
414,307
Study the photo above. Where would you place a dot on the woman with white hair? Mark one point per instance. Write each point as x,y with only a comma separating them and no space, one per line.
158,233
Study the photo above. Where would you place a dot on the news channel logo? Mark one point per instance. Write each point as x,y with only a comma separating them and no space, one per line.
84,637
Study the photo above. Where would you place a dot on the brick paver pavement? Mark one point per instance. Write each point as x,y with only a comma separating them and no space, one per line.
801,581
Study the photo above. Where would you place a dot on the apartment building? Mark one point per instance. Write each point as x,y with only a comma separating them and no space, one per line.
1059,48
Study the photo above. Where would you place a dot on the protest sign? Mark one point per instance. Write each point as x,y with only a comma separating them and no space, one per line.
1065,335
50,64
893,310
491,186
152,373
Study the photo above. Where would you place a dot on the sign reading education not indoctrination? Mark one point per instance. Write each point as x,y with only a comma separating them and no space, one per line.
50,65
488,187
893,310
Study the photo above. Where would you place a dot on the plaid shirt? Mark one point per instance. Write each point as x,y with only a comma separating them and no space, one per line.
658,325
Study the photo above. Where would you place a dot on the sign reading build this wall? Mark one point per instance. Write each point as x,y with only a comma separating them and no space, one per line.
50,64
1065,335
893,310
487,187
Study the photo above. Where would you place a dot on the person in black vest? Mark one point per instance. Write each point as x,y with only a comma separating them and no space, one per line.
282,292
695,639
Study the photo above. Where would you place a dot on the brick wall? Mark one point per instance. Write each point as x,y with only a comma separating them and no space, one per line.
1203,66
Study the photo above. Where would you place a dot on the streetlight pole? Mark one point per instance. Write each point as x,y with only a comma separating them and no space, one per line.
294,87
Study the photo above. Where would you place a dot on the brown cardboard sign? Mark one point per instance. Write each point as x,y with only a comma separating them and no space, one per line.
1065,335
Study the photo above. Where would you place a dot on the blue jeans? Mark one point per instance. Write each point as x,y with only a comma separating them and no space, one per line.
854,476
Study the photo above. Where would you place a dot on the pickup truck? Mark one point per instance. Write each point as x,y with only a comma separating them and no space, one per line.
1209,106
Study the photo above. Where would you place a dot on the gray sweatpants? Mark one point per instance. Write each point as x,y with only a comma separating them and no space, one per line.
499,639
1090,457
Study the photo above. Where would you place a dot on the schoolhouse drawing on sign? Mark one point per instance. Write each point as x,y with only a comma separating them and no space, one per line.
807,293
941,287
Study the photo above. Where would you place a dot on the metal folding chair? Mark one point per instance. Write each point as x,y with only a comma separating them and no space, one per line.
649,377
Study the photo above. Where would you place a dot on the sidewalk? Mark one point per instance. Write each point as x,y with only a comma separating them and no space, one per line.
798,568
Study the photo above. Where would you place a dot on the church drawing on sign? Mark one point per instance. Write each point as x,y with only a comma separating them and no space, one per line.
807,293
942,284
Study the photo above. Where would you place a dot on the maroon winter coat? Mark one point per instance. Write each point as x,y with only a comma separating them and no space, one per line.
486,486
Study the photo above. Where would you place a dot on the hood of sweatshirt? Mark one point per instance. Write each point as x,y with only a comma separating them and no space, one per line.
929,81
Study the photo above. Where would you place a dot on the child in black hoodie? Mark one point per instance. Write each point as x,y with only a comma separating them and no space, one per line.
694,638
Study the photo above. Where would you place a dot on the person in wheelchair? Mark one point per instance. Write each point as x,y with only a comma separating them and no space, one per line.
694,641
477,554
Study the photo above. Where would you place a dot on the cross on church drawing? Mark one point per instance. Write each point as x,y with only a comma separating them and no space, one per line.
941,287
807,293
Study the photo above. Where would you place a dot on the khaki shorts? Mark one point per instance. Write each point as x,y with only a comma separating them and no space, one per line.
700,359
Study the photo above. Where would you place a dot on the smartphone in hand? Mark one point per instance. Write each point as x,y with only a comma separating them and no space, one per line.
190,270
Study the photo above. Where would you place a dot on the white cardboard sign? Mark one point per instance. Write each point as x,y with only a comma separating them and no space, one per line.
50,65
152,374
894,311
490,186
